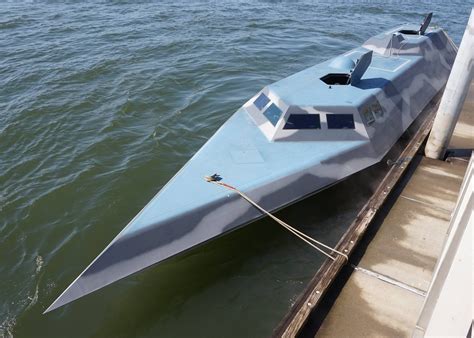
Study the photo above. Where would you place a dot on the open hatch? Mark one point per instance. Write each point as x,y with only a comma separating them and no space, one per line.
353,76
423,27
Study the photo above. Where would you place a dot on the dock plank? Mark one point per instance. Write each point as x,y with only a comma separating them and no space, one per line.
409,245
405,248
390,312
436,183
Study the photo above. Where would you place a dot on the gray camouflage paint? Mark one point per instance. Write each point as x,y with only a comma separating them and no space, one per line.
273,166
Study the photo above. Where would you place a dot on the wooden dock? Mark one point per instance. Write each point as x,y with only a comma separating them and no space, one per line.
405,249
385,296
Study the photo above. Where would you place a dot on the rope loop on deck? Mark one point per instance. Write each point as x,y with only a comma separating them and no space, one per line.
216,179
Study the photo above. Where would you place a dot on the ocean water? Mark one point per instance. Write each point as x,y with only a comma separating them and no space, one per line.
101,103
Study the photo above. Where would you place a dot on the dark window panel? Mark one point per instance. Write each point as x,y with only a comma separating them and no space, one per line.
303,121
340,121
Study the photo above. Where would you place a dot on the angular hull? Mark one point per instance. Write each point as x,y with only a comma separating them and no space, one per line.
273,164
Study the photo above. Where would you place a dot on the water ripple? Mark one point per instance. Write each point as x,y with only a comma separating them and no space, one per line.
101,103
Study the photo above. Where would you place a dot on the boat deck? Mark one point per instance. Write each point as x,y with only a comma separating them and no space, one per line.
405,248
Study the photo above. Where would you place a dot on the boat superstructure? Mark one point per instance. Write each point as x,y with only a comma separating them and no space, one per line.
292,139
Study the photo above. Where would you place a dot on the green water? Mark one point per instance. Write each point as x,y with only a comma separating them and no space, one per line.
100,104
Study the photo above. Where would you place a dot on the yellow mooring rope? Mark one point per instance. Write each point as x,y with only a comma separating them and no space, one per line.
313,242
307,239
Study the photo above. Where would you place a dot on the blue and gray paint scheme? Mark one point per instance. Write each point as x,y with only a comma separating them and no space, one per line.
293,138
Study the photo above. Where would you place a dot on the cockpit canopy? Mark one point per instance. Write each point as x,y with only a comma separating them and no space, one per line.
281,122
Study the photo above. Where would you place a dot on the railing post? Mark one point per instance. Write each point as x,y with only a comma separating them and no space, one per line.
453,96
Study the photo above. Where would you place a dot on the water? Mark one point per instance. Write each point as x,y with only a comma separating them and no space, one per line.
100,104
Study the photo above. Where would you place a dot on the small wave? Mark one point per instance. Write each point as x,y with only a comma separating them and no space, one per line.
6,327
13,23
39,264
374,10
33,299
3,200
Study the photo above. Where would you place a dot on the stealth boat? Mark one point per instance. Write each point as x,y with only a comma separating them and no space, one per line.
292,139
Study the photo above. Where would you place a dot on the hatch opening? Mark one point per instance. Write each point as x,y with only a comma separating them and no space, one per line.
409,32
336,79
